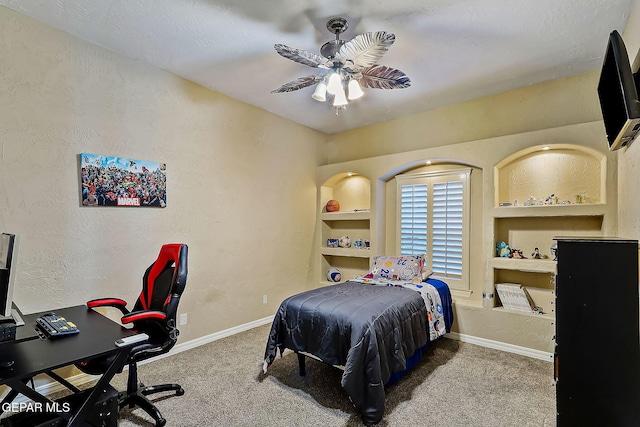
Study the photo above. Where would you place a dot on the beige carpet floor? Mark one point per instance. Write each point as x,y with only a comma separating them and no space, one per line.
456,384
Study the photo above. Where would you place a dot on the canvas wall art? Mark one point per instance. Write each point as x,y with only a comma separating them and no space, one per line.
119,181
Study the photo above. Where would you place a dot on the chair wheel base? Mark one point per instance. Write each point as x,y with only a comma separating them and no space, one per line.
138,397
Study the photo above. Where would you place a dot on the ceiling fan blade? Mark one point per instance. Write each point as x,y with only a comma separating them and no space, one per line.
301,56
365,49
381,77
299,83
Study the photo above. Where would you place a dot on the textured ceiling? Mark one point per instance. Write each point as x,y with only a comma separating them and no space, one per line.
452,50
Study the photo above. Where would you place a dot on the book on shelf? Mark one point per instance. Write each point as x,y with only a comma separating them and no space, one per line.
514,296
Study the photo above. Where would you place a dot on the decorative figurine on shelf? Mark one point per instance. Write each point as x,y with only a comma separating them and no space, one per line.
333,275
516,254
344,242
332,206
536,254
502,250
554,251
582,197
531,201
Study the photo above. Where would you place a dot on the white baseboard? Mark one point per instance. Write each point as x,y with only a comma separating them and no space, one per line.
179,348
510,348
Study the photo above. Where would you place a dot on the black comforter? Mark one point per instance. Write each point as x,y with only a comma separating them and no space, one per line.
370,330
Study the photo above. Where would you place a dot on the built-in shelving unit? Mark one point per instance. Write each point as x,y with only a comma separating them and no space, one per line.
540,193
537,276
353,192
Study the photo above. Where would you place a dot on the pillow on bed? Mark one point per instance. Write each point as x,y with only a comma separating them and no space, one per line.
405,268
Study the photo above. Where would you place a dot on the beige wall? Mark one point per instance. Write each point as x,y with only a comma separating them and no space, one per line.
241,182
629,158
547,105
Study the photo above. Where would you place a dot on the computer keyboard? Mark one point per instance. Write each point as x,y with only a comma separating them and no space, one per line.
56,326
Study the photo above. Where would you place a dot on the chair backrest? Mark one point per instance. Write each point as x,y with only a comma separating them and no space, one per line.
163,284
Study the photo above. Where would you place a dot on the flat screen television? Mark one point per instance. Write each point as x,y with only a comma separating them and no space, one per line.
8,249
618,95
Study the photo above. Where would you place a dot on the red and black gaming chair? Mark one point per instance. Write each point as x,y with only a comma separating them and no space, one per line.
154,313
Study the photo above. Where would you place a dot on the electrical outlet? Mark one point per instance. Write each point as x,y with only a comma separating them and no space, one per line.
264,299
183,319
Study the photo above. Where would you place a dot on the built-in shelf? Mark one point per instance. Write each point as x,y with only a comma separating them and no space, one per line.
587,209
350,252
549,316
345,215
530,265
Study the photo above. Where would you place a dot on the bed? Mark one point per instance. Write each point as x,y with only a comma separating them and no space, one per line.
374,327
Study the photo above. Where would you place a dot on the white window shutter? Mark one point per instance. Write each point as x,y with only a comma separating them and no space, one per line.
413,219
433,219
448,223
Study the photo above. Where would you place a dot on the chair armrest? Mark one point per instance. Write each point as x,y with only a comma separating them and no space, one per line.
143,315
145,351
109,302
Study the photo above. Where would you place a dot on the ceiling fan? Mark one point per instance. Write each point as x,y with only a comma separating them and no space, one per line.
351,64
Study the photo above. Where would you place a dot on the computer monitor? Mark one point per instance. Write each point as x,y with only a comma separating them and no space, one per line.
8,262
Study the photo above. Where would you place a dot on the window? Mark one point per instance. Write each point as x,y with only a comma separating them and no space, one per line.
433,218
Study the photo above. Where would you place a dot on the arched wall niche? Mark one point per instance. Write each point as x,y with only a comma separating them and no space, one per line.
351,189
554,174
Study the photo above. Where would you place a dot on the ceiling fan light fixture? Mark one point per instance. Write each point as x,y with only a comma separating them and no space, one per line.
340,98
334,83
349,63
355,91
320,93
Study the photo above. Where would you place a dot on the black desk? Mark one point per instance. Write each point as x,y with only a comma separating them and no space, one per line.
36,356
